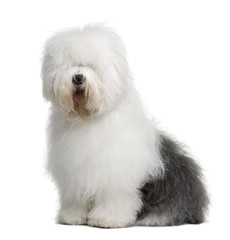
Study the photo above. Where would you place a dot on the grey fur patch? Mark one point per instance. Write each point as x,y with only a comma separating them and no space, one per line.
180,196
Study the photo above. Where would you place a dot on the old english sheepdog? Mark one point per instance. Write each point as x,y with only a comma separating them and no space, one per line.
112,167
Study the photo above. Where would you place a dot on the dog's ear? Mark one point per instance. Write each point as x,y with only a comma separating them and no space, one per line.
48,78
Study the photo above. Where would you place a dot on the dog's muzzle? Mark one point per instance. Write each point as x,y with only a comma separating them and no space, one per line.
78,80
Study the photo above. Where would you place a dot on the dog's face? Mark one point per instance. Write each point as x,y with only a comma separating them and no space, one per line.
84,71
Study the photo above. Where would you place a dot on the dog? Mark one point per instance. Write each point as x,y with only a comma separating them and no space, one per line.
112,167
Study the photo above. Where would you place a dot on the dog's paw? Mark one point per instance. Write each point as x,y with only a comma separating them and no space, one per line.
107,223
70,219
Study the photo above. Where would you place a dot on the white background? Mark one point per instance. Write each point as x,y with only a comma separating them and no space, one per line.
179,53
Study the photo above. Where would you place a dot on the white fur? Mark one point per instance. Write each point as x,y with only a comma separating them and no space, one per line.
98,163
154,220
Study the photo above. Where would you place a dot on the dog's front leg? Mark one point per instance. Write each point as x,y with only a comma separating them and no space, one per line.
114,209
72,212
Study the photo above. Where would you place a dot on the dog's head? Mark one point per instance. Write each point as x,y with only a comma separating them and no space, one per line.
84,71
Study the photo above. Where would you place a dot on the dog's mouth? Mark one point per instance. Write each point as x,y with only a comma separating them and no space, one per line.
79,94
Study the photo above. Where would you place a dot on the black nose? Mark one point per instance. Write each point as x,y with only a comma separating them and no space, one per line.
77,79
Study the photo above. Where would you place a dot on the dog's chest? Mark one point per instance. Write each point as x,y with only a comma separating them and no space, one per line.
88,155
